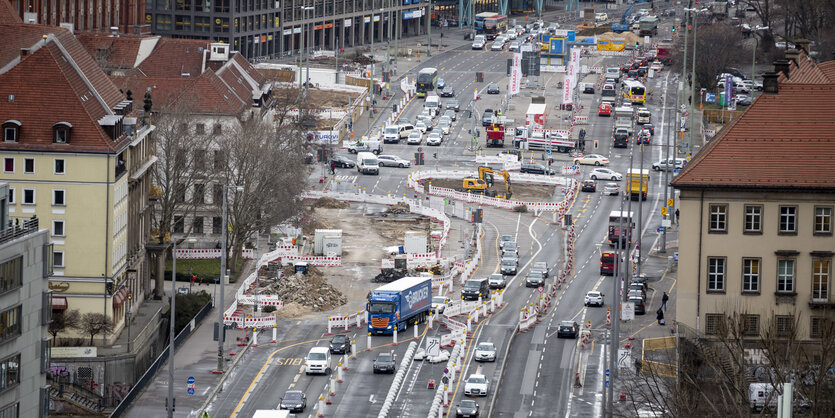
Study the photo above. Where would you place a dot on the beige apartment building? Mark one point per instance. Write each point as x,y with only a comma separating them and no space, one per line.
756,204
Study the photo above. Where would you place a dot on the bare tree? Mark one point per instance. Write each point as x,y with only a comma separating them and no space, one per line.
64,320
269,166
94,323
182,146
717,48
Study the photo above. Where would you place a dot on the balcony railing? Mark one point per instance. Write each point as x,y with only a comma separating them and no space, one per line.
17,228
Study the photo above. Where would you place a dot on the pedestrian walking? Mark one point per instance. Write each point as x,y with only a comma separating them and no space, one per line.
664,300
333,167
660,316
676,216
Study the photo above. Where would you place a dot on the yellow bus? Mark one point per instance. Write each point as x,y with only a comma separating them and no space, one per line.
634,91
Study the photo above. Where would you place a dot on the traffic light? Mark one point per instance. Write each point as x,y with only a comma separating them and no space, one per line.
595,144
673,29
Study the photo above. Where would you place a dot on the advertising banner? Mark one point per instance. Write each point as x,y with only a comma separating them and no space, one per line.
516,74
575,61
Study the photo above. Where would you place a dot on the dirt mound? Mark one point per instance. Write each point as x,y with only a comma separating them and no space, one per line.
307,291
388,276
398,208
331,203
293,310
629,37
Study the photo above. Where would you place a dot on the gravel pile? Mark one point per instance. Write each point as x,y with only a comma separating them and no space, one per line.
331,203
308,290
388,276
398,208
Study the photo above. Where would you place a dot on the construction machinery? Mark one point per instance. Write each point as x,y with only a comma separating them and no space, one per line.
495,135
484,183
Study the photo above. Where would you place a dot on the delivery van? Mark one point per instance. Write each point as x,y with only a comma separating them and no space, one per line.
367,163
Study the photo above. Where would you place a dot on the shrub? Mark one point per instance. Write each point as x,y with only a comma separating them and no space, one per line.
521,208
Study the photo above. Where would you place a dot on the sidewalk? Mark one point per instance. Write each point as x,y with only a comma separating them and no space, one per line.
196,357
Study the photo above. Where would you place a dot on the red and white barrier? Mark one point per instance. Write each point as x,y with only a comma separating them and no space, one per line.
204,254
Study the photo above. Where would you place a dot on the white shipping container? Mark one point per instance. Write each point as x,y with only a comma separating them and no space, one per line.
332,245
319,236
414,243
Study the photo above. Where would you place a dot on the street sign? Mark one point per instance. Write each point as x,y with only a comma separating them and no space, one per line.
190,391
670,202
663,210
675,256
190,380
539,288
433,346
660,229
628,311
624,358
549,153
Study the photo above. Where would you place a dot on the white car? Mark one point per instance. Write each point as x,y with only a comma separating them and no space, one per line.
605,173
445,126
485,351
439,303
592,159
477,385
420,126
434,139
414,138
657,66
392,161
593,298
497,46
611,189
601,17
497,281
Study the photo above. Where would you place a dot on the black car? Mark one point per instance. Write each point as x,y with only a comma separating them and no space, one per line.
642,279
568,329
452,104
487,117
650,127
588,88
466,409
640,306
589,186
441,84
340,344
448,92
341,161
293,401
534,279
515,152
534,169
493,88
384,363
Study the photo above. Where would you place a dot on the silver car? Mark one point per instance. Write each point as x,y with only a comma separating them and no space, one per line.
485,351
393,161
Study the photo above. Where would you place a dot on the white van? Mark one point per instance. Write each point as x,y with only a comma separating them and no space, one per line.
433,103
391,134
367,163
479,41
318,359
613,72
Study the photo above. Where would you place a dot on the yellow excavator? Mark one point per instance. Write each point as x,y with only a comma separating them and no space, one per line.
484,183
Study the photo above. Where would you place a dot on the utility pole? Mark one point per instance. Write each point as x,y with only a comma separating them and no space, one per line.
371,82
397,28
170,403
669,134
429,30
684,66
640,207
693,87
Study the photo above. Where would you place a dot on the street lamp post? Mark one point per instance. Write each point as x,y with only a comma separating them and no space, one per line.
170,402
754,54
224,228
693,79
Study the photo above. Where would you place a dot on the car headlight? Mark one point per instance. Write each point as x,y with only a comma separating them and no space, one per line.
388,327
458,411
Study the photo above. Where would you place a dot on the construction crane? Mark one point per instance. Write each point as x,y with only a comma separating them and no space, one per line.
484,183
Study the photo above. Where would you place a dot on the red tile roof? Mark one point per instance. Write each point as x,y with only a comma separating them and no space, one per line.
805,71
828,69
116,52
8,14
783,141
57,81
174,57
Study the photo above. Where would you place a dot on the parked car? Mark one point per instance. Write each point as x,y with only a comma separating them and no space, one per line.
340,344
476,384
493,88
293,401
516,152
593,298
635,294
384,363
535,169
485,351
605,173
393,161
341,161
743,100
568,329
497,281
611,189
640,306
592,159
588,186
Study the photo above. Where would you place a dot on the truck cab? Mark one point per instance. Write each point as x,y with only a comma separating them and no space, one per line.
399,304
643,116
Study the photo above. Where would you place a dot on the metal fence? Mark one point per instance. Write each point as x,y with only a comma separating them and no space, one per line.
148,376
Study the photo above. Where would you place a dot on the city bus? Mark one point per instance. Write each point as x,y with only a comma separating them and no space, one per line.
478,24
620,226
494,26
634,91
426,80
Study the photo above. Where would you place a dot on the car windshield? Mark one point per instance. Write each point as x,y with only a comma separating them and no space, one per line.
391,130
380,308
339,339
507,238
508,262
468,404
317,356
472,284
292,396
496,277
384,358
535,275
485,347
568,324
510,246
439,299
476,379
593,294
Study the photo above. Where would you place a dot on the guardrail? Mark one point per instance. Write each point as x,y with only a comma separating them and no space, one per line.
398,380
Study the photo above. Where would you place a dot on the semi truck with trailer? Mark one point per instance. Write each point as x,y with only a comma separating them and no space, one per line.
399,304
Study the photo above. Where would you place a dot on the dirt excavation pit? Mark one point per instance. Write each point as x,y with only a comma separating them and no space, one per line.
521,192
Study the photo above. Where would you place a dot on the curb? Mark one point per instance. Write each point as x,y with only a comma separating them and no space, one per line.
222,379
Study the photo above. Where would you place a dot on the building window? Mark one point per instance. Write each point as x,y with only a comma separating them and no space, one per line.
59,166
163,22
62,132
750,325
58,259
785,276
182,23
200,160
753,218
179,224
200,129
218,160
11,274
820,280
59,197
216,225
217,129
180,193
820,327
46,308
10,134
29,166
788,219
11,411
718,218
197,225
750,275
201,24
716,274
58,228
217,194
823,220
714,323
8,165
10,323
11,195
9,372
199,193
183,5
784,325
28,196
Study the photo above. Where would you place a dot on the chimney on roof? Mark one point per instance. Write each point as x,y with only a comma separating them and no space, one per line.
24,52
220,52
792,55
114,31
770,84
781,66
802,44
